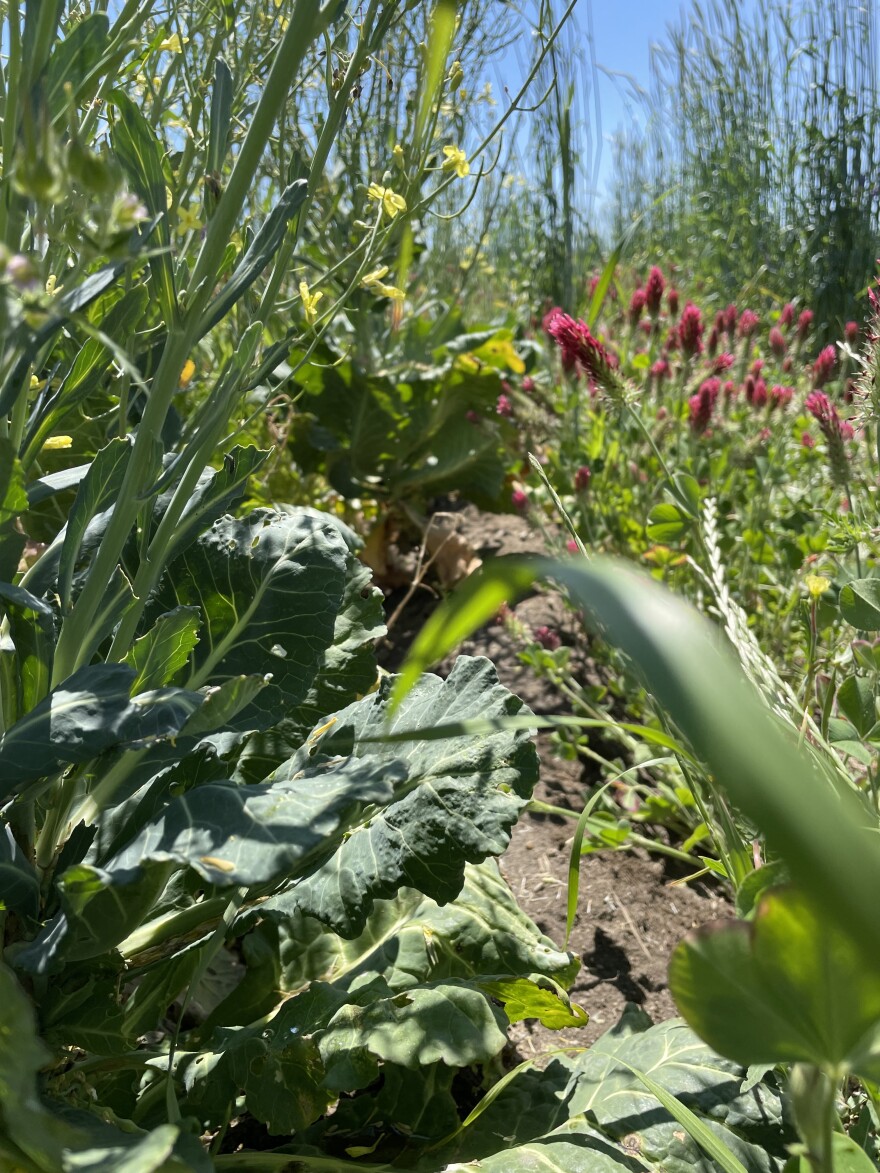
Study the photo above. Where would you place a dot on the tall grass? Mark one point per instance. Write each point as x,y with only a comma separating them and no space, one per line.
768,128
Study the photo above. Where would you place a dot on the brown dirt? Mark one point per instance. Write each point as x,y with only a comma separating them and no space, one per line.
633,908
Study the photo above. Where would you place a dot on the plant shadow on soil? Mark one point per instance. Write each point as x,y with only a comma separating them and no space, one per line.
631,911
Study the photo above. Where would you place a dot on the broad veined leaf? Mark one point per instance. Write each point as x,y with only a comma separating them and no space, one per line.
279,1072
258,835
98,910
444,1022
89,713
523,998
751,1126
101,1146
458,456
406,1106
590,1096
411,939
269,588
160,654
85,1012
785,987
347,671
275,1063
456,806
216,491
573,1147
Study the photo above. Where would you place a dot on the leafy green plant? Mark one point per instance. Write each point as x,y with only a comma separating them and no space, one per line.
193,817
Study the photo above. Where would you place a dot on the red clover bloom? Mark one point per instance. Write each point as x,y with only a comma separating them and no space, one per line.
579,348
804,322
582,478
654,287
690,330
823,367
748,323
832,428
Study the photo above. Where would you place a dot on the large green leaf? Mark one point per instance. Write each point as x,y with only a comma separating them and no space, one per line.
411,939
597,1095
750,1125
89,713
573,1147
787,986
258,835
443,1022
160,654
269,588
452,806
98,910
215,492
347,670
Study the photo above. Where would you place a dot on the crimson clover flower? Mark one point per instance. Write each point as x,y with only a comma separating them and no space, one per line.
582,351
690,330
834,430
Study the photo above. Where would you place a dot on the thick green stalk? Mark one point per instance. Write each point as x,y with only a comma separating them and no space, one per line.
10,116
305,22
74,646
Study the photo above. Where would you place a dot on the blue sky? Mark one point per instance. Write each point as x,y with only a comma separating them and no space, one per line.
623,32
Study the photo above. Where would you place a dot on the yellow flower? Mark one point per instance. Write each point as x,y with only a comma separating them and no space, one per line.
189,369
397,154
173,44
374,282
817,584
57,442
188,221
310,303
391,202
457,161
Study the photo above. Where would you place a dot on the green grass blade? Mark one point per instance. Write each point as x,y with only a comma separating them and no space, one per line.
691,1123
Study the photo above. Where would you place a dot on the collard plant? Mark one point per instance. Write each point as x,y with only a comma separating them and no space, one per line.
221,899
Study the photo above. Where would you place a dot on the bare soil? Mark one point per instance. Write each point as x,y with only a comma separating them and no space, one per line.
633,907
